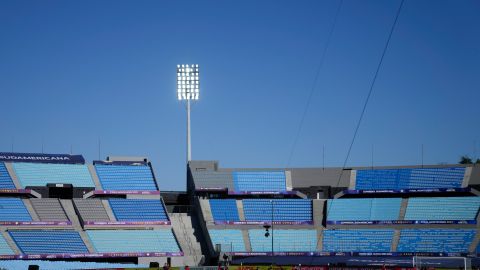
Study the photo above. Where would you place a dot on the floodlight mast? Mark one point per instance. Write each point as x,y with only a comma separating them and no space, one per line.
188,88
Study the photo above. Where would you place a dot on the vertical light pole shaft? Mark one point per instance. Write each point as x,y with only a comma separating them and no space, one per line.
272,235
189,143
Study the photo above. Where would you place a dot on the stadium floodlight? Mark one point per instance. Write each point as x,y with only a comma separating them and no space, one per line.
188,85
188,88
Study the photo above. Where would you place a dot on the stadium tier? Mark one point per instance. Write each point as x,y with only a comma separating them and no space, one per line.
125,177
48,241
447,208
436,240
285,240
230,240
91,210
106,241
361,240
13,209
405,178
241,181
224,210
248,181
138,210
364,209
63,265
5,179
5,249
298,210
39,174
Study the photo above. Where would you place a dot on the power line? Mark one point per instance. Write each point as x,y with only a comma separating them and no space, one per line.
370,91
312,90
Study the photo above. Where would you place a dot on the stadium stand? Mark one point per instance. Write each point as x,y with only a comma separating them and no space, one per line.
5,179
285,240
48,241
49,209
247,181
363,209
38,174
438,208
62,265
13,209
361,240
405,178
125,177
283,209
91,210
190,234
138,210
224,210
161,240
435,240
4,247
230,240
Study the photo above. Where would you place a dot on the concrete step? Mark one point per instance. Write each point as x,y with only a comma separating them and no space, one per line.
185,234
395,240
87,242
206,211
71,214
30,209
10,242
318,206
403,209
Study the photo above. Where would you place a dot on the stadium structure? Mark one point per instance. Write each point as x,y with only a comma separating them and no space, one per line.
56,207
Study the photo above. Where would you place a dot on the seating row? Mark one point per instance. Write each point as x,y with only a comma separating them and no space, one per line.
360,240
405,178
364,209
50,209
103,241
111,177
387,209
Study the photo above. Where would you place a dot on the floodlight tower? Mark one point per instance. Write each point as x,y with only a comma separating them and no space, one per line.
188,89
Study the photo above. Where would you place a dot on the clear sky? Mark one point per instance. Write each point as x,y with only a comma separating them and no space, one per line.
72,72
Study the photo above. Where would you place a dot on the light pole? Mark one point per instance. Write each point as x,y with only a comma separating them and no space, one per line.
188,88
271,201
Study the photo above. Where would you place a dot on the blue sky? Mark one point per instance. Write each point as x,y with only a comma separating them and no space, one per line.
76,71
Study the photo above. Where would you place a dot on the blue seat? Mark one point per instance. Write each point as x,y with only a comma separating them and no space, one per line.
138,210
40,174
283,209
268,181
5,248
224,209
436,240
441,208
13,209
426,178
369,209
368,240
229,239
284,240
106,241
126,177
48,241
5,179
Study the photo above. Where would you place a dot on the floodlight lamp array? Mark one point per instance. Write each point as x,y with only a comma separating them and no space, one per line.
188,86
